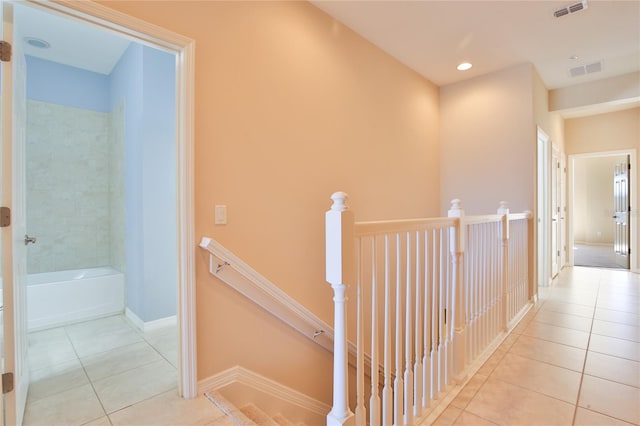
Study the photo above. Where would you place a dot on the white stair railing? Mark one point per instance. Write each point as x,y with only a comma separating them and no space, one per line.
430,294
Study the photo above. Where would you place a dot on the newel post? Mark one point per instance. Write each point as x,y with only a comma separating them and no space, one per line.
504,235
340,268
457,247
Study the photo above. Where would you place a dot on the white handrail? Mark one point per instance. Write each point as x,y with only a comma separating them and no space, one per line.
452,284
232,270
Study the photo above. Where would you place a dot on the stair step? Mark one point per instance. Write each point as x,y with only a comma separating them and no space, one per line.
260,417
283,421
234,413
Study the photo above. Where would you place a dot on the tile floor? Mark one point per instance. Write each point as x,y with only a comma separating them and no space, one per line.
573,360
106,372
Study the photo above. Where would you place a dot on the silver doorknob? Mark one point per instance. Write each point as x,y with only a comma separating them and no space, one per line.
29,240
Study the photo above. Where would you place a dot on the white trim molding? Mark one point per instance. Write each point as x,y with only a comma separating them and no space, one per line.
184,49
149,325
240,375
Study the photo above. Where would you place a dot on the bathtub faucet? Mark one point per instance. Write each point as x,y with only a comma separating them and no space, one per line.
28,239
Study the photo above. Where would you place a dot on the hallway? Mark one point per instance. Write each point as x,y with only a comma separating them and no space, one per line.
573,360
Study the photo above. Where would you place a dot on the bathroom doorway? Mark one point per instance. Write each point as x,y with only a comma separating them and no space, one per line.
43,108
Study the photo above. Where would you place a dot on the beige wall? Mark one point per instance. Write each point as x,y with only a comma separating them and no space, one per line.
488,136
613,131
290,107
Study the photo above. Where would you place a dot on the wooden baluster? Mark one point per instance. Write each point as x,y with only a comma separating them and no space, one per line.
398,400
426,358
387,391
374,400
340,265
408,374
504,235
361,411
417,366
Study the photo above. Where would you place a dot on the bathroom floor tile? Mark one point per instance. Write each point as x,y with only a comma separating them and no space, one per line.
69,408
97,343
118,360
506,404
49,347
58,378
610,398
550,352
121,390
613,368
106,325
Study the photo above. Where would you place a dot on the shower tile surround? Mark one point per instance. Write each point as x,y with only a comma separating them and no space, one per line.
75,187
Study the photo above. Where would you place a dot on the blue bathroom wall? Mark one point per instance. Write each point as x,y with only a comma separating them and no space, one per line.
159,184
144,80
65,85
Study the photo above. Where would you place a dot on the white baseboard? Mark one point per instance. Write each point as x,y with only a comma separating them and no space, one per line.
149,325
239,376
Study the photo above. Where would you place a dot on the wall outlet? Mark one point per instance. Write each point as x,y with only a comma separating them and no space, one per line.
220,215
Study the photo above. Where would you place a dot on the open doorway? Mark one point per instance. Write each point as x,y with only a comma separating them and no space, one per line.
180,51
601,196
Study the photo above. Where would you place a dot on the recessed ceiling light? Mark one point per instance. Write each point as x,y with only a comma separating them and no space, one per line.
573,57
37,42
464,66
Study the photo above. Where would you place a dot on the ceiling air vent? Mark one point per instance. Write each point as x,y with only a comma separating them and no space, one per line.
585,69
576,7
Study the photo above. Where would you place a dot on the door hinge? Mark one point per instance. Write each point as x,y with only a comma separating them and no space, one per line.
5,51
5,217
7,382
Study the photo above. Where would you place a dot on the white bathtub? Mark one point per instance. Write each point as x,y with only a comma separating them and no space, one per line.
56,298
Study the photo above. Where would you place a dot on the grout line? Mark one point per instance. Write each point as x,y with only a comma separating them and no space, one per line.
586,355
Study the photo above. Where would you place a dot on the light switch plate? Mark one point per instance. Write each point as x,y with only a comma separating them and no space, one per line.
221,215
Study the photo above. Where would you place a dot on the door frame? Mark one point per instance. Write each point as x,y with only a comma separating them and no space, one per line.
184,48
543,210
633,222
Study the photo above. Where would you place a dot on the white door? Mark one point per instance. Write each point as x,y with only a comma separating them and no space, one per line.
555,212
621,215
13,123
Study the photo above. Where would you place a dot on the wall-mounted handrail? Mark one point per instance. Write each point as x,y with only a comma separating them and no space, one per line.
240,276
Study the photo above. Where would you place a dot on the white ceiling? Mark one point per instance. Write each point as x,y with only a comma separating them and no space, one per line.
73,43
432,37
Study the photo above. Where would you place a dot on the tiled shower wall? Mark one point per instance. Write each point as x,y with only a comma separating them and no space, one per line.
71,154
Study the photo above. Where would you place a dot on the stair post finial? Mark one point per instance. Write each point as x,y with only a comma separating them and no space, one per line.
339,201
456,208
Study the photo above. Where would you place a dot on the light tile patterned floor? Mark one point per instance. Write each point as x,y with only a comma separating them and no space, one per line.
106,372
573,360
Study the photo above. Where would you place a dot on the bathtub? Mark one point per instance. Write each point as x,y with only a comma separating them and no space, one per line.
62,297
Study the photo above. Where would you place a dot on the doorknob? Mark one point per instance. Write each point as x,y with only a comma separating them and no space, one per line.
29,240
